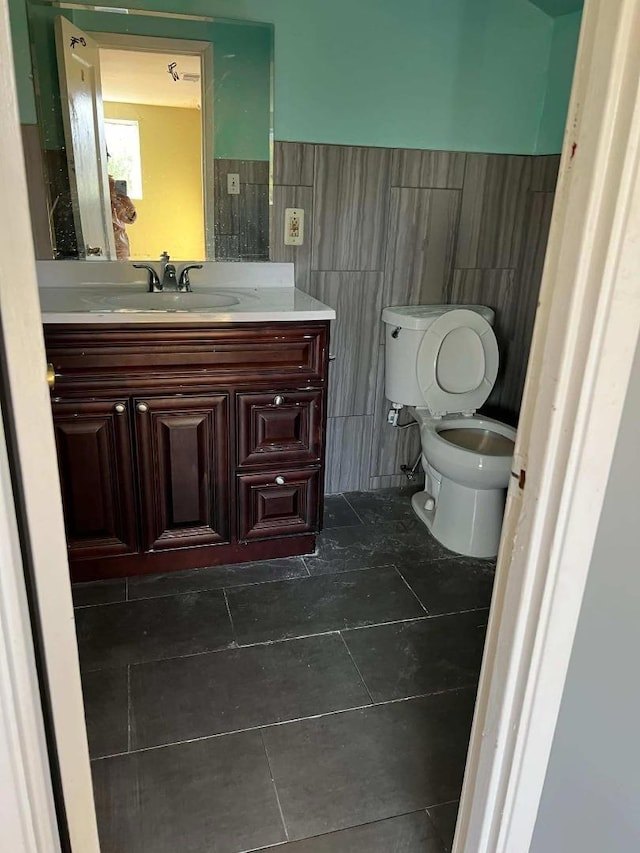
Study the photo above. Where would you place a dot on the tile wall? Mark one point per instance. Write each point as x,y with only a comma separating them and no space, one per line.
241,223
393,227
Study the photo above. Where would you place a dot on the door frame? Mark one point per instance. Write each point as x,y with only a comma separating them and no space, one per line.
184,47
576,385
577,376
42,555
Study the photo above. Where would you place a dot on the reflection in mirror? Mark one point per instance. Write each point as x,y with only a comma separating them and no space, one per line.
155,130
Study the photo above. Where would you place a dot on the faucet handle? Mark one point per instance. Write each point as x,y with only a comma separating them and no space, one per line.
165,257
184,282
153,280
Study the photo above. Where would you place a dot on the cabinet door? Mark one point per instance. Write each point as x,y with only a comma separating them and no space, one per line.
96,473
277,504
279,428
183,469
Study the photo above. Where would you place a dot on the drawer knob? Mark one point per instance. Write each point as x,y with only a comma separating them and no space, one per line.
280,481
278,400
142,408
120,408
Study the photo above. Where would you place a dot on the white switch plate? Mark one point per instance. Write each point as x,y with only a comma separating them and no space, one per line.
233,183
294,226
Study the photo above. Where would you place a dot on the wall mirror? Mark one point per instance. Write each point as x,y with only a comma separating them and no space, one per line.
156,132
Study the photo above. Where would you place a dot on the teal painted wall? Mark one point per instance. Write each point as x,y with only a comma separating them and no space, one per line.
22,61
450,74
566,30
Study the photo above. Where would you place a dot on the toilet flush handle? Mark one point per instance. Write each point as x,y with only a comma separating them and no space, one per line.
396,331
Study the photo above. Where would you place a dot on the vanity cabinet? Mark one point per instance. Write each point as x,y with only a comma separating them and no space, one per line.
183,470
184,446
93,440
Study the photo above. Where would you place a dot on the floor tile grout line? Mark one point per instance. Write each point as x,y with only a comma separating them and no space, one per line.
226,601
411,590
193,591
308,574
323,835
278,723
349,571
275,787
235,646
362,521
357,668
238,586
304,563
129,709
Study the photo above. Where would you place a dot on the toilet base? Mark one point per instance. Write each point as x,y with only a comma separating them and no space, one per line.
464,520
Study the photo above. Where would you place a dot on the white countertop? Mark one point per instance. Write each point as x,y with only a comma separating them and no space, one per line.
229,294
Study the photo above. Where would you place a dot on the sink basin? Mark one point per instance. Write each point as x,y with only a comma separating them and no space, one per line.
166,301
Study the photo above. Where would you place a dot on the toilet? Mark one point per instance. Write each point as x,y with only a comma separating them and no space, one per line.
442,362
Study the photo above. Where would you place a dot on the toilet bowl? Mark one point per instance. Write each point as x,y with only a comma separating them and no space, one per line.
442,362
467,464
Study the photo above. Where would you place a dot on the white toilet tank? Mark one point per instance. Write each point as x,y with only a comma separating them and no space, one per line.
405,328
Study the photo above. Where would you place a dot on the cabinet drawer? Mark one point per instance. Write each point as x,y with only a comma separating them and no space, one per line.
277,504
141,359
280,428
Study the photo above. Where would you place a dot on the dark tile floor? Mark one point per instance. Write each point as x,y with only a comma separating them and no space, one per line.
310,705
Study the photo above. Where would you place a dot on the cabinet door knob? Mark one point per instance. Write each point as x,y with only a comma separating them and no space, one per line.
120,408
51,376
278,400
142,408
280,481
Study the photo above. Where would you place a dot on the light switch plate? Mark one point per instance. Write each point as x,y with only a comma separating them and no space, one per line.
293,226
233,183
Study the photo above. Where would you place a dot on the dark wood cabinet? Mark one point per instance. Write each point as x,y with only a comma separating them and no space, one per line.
280,429
183,470
277,504
188,446
93,439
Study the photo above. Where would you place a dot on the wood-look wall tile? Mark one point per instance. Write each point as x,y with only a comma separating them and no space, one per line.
293,163
351,193
394,481
529,279
427,169
227,247
421,245
300,256
357,299
493,288
348,452
253,229
544,173
391,447
250,171
532,257
493,211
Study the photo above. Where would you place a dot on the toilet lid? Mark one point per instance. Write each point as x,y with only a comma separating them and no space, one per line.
457,362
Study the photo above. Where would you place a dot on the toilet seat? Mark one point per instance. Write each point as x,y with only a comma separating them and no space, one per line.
457,362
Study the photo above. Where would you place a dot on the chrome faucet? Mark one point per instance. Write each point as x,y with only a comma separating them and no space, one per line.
168,279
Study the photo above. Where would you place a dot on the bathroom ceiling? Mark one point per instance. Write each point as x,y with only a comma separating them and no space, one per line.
136,77
555,8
